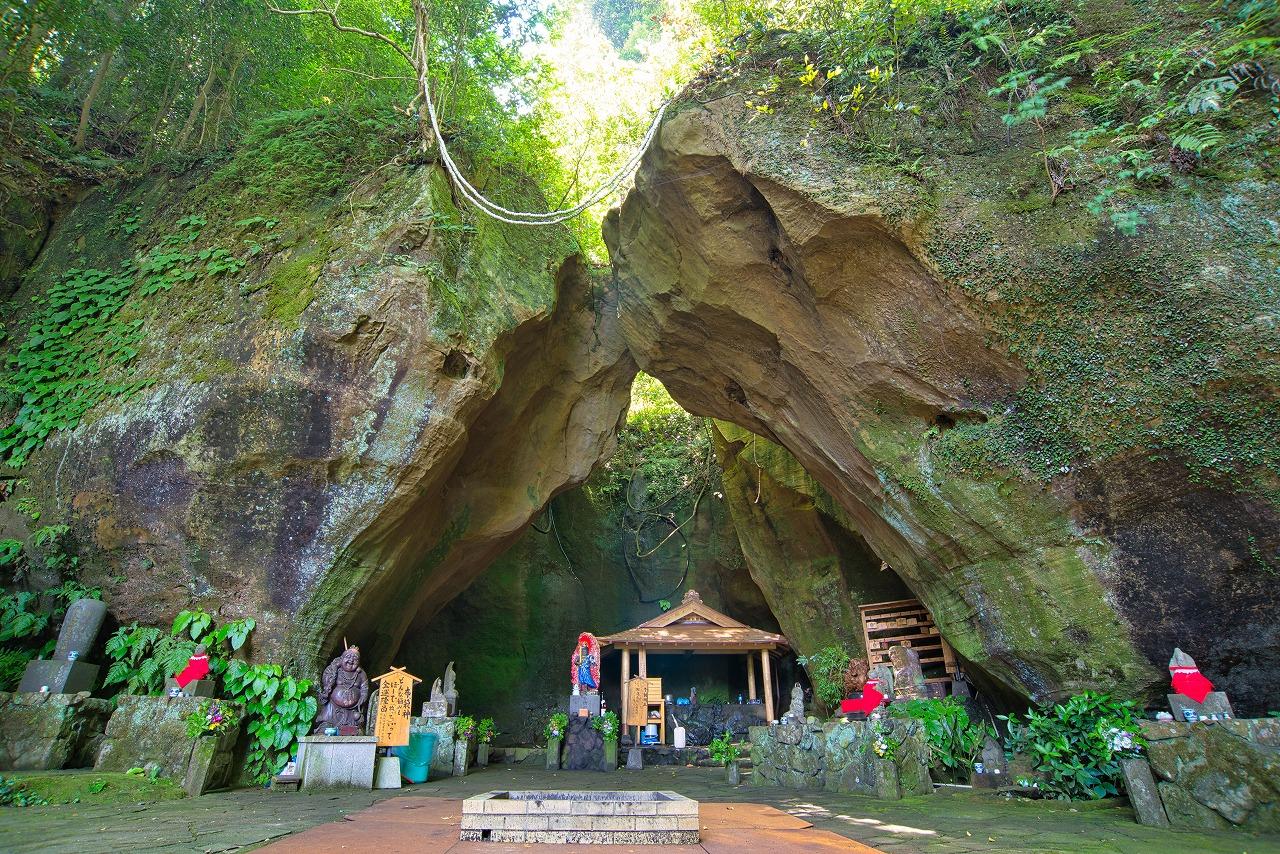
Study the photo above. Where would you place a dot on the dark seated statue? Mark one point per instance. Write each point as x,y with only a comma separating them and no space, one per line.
344,691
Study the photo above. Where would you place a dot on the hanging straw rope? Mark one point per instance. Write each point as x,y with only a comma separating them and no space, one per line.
418,61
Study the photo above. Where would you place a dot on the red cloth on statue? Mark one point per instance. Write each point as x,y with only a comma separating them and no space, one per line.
1189,681
868,703
197,668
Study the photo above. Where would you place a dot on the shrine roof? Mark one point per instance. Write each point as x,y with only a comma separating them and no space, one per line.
695,625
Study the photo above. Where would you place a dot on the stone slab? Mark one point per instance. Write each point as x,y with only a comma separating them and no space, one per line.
590,702
62,677
197,688
1215,703
337,761
1143,794
47,732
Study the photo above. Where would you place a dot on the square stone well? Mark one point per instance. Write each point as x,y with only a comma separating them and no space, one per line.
559,816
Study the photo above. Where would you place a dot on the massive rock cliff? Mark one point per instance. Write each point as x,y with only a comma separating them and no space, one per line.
344,401
1042,426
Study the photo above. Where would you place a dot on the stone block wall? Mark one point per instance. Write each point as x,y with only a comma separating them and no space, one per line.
45,732
840,757
1216,774
151,733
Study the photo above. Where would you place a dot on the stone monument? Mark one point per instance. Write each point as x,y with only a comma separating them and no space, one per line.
437,706
908,678
883,676
344,690
796,712
66,672
451,689
1194,697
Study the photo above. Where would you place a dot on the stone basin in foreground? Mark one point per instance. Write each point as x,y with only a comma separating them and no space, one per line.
566,816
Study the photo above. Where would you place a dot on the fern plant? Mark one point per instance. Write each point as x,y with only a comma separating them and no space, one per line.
144,656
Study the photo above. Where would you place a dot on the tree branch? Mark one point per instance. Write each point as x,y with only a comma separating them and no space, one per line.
332,15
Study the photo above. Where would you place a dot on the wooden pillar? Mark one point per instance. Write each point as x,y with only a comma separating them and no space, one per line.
751,677
768,685
644,662
626,676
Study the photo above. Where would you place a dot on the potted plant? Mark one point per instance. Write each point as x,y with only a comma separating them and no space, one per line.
485,731
464,735
557,726
609,727
724,751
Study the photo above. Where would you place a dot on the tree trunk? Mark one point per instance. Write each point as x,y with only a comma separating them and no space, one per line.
86,108
197,106
221,104
23,59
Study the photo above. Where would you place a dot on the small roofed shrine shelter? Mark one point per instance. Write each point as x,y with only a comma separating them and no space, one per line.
694,626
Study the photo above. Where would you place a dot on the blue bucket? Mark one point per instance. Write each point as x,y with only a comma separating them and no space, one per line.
415,758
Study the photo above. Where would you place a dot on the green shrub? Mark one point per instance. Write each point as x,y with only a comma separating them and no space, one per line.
608,726
557,726
279,709
954,739
143,657
826,671
1078,744
485,731
723,750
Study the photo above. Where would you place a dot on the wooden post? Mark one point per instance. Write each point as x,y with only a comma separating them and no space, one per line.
644,662
751,678
768,685
626,676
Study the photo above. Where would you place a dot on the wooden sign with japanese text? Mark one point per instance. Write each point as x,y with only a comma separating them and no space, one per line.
395,707
637,702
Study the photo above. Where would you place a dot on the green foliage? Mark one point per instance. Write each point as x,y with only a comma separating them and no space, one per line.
826,671
211,717
15,794
608,726
62,368
143,657
13,664
557,726
1078,744
485,731
883,743
279,709
661,447
954,740
464,727
723,750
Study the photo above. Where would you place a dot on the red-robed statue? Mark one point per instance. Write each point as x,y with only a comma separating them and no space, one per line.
585,672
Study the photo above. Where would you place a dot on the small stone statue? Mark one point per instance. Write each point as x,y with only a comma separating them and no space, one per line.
908,678
344,690
437,706
796,712
585,672
1187,678
197,668
883,676
451,689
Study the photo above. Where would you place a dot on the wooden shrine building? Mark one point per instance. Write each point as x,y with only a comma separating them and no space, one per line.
695,627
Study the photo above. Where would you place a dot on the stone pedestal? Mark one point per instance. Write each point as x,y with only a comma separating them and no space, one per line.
337,761
197,688
62,677
1215,703
386,772
583,746
40,732
590,702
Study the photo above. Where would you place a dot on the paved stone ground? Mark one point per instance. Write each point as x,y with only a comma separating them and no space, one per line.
953,821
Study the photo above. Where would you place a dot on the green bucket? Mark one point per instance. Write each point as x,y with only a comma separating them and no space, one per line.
415,759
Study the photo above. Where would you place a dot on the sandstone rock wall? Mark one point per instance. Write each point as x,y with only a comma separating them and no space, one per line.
882,327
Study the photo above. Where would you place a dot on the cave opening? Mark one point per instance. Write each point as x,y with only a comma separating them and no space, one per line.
683,503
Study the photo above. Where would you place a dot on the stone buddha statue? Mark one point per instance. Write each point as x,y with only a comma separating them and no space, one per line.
344,690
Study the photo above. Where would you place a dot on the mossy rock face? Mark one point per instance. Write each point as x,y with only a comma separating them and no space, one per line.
1049,431
326,347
